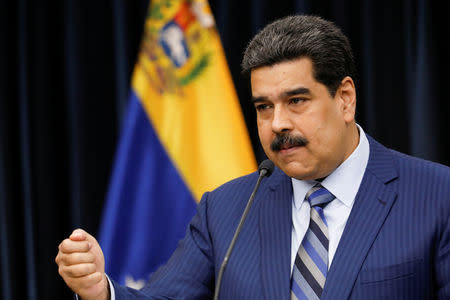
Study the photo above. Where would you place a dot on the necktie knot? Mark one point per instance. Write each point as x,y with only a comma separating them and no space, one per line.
319,196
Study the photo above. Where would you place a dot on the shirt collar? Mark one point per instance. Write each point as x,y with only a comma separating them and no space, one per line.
343,182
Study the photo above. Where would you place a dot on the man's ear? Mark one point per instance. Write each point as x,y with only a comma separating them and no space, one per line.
346,94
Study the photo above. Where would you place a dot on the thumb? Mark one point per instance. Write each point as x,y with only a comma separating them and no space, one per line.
81,235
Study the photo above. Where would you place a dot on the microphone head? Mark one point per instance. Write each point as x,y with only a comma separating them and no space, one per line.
266,168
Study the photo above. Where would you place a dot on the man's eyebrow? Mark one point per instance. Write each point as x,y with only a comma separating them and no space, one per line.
293,92
297,91
257,99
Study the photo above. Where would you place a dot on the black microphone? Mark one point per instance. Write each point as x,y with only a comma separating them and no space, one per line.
265,170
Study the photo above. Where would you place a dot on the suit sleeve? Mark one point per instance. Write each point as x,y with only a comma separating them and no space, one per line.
189,273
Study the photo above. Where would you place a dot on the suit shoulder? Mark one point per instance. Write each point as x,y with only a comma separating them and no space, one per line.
235,190
240,189
424,175
419,166
237,183
247,182
406,163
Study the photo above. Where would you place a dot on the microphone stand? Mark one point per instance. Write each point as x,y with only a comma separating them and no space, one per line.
264,172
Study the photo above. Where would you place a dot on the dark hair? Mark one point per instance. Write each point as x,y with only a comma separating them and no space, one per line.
298,36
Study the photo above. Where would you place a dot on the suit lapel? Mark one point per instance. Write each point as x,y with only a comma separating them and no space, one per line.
275,236
372,205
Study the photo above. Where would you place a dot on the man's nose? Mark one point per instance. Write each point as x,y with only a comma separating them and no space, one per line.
281,121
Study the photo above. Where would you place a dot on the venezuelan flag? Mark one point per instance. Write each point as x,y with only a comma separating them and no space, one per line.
184,135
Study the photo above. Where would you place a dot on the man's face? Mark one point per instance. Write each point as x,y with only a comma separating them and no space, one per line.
303,130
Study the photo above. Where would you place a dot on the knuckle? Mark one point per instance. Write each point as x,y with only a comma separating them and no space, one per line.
69,271
62,270
61,259
64,245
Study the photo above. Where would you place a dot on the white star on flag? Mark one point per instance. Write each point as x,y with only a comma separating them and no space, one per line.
130,282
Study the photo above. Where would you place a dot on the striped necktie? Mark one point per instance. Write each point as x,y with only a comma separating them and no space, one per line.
311,262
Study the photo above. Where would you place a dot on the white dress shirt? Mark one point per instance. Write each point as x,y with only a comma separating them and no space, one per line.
343,183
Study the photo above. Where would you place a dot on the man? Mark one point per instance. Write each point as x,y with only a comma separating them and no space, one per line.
342,217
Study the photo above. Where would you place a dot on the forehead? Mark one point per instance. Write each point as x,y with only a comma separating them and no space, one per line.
269,81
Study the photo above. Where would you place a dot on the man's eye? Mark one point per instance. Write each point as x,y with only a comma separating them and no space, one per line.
261,107
296,100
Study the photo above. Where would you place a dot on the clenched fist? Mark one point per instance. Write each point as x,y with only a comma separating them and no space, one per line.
82,266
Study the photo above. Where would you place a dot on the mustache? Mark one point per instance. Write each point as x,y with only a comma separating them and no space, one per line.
286,140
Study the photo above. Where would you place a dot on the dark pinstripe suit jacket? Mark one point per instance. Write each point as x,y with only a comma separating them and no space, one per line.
396,244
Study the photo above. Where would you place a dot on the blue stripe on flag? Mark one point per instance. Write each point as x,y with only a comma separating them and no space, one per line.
148,205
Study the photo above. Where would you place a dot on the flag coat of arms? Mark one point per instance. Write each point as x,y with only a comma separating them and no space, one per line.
184,135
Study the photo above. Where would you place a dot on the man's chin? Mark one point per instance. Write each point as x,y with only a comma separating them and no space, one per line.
301,175
295,169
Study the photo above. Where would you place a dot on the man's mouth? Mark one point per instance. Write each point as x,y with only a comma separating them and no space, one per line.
286,147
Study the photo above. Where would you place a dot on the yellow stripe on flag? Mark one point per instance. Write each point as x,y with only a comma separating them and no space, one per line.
183,81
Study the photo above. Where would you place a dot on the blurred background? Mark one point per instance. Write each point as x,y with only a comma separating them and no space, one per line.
65,70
